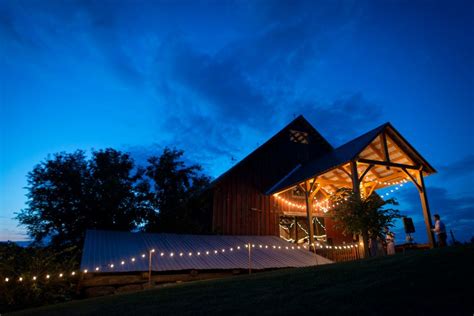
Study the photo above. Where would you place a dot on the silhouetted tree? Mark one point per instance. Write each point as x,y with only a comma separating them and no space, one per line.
364,216
180,199
68,194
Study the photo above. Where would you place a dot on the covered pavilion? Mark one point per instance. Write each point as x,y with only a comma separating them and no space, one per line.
375,160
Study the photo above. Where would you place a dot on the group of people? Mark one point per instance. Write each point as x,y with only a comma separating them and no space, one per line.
380,246
376,245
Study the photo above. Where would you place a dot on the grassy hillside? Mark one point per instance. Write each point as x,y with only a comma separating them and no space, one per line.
434,282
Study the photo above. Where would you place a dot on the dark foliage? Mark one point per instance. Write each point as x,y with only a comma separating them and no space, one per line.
365,216
179,195
69,193
17,262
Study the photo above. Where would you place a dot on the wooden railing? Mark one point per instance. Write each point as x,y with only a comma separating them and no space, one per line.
347,252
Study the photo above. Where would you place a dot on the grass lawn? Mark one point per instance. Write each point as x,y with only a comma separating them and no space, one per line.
432,282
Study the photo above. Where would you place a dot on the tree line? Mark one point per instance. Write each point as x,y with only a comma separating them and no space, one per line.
68,193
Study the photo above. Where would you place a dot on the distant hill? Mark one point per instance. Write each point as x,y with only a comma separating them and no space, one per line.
24,243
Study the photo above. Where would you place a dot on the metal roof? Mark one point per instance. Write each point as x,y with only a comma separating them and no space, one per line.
103,248
335,158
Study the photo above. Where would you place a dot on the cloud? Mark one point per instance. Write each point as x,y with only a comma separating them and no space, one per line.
456,211
343,119
459,168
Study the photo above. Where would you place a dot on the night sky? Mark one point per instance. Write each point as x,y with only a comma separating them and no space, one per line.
219,78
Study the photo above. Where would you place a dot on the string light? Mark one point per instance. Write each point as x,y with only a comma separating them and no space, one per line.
191,253
325,206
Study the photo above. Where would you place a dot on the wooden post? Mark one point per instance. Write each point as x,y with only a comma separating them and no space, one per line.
250,258
308,214
149,267
355,178
426,208
356,190
296,230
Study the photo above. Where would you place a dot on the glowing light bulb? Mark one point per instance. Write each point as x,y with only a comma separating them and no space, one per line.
180,254
143,255
122,263
171,254
153,250
112,265
190,254
207,252
198,253
47,276
162,254
73,273
34,278
20,279
133,259
7,279
85,271
60,275
97,269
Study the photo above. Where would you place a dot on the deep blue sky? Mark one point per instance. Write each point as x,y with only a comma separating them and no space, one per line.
218,78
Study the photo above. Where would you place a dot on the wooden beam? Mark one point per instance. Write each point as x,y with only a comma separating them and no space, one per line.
390,164
418,185
355,177
426,208
365,172
345,171
329,182
385,148
327,195
391,177
313,193
397,146
376,151
372,188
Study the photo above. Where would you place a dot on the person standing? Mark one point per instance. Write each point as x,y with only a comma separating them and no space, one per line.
390,239
440,231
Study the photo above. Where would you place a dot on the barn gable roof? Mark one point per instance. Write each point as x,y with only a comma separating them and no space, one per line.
297,122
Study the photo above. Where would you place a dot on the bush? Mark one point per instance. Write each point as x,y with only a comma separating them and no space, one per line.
18,262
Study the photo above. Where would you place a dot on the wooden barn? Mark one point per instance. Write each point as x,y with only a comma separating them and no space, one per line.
283,186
